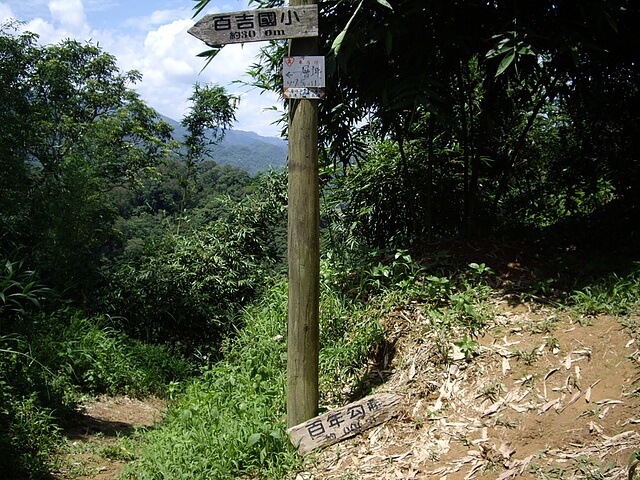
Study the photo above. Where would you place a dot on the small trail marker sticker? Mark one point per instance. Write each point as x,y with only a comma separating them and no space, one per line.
303,77
310,93
345,422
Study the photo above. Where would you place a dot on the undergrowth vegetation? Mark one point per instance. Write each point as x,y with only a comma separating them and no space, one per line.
231,420
612,295
51,358
132,264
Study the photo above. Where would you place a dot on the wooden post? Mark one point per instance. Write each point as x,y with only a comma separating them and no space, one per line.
304,249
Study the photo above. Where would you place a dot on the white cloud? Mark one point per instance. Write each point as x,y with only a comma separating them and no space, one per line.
6,12
68,20
170,67
69,14
47,32
158,17
177,67
160,48
255,113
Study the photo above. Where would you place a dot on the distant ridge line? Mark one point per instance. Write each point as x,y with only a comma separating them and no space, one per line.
247,150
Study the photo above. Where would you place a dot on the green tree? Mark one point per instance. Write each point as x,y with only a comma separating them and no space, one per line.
16,56
485,74
468,90
211,113
186,287
71,130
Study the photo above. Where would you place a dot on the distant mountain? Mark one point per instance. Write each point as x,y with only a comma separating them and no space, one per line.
247,150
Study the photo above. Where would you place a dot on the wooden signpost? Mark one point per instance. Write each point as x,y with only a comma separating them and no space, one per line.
304,85
257,25
345,422
299,23
303,322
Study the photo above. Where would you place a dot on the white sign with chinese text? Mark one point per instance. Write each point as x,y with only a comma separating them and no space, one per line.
303,72
303,77
342,423
257,25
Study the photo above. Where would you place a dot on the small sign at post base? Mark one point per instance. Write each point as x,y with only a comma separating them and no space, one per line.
345,422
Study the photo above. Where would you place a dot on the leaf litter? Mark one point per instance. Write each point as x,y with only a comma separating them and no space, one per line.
568,408
573,406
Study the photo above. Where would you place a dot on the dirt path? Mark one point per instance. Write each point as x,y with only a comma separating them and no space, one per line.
94,451
539,396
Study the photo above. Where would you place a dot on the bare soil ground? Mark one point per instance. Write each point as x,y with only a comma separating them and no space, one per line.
93,448
543,395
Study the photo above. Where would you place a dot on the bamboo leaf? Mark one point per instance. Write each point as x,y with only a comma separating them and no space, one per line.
209,55
388,42
504,64
253,439
337,43
633,464
199,6
384,3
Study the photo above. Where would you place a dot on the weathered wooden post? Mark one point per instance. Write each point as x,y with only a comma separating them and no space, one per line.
303,78
299,23
304,248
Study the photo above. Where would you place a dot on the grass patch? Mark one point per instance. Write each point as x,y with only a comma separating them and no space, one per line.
50,363
612,295
231,421
29,436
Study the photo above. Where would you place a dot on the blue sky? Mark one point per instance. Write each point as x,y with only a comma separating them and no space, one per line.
151,36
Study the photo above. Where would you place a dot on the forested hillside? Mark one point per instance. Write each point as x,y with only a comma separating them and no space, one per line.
468,151
246,150
125,253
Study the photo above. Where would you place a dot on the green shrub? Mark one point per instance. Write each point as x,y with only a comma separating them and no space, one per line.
49,362
87,355
613,295
231,422
28,433
183,287
20,290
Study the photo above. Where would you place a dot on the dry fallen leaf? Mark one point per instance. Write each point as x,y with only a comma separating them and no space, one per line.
505,365
594,427
547,406
573,399
412,370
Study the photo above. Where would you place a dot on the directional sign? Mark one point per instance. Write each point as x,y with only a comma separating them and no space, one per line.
303,72
303,77
345,422
257,25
